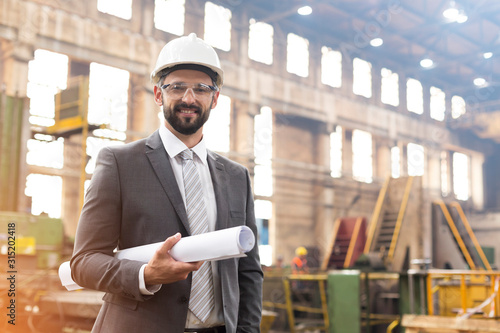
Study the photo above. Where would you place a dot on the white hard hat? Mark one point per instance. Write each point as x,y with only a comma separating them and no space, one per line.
188,50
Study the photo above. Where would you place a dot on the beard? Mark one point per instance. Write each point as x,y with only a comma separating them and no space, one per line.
185,125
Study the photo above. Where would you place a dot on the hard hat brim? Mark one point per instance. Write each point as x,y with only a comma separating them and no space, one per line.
155,75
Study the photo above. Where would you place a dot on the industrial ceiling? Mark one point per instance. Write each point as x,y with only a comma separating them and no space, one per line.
464,45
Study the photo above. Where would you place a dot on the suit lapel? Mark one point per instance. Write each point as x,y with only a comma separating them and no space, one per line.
219,180
160,162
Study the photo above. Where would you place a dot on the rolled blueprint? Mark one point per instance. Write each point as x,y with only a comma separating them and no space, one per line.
211,246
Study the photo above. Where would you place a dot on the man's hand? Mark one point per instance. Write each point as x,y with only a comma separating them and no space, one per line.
163,269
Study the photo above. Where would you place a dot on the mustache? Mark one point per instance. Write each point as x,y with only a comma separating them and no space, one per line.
187,106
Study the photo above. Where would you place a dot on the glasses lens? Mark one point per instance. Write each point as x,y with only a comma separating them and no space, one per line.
200,90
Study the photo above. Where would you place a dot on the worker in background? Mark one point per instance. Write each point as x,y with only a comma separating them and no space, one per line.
300,288
299,262
137,196
280,262
279,266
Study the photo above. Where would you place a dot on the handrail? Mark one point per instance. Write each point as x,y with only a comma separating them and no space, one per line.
352,242
392,326
455,232
290,307
376,215
326,259
401,214
462,275
430,304
472,235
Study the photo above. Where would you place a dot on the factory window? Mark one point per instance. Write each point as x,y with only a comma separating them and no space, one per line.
395,162
108,105
331,67
461,176
457,107
260,42
119,8
362,78
445,184
263,214
216,130
169,16
362,156
390,87
108,99
297,55
263,152
47,74
438,104
414,96
218,26
415,157
46,194
336,152
45,151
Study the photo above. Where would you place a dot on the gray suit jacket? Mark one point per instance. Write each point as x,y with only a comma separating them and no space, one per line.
134,200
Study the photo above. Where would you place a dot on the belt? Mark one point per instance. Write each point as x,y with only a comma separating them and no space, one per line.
215,329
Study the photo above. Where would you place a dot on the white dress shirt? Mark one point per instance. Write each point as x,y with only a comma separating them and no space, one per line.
174,146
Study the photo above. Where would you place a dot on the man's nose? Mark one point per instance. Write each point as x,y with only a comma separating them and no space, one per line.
189,96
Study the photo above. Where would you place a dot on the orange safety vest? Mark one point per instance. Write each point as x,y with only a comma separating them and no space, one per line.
299,265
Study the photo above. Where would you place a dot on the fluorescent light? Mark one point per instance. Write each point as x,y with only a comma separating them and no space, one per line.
454,14
376,42
305,10
487,55
426,63
479,82
451,13
462,18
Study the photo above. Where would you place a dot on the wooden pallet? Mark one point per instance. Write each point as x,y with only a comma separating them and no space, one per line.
436,324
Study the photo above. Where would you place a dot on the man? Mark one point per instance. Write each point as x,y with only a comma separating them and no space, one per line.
137,197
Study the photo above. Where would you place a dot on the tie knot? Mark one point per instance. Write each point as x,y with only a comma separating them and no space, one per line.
186,154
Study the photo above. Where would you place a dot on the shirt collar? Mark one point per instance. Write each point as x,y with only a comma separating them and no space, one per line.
174,146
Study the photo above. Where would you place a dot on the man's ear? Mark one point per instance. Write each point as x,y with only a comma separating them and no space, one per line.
214,100
158,96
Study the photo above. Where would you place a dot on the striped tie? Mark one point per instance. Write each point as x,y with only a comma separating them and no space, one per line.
201,301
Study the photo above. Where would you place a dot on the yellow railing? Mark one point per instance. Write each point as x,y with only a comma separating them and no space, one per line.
376,215
401,215
459,238
392,326
352,242
326,259
479,250
478,291
290,307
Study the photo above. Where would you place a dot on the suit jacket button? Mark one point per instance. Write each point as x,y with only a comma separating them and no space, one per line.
183,299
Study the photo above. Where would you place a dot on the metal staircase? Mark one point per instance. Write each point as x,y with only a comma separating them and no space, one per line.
463,236
348,240
387,220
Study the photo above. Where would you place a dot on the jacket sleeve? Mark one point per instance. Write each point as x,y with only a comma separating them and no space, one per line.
250,277
93,265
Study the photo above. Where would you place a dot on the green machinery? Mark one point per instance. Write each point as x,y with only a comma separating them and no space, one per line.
39,240
338,301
